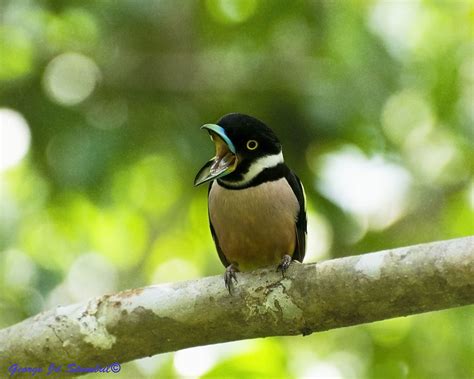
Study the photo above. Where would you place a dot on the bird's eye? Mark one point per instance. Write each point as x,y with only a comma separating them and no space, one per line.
252,144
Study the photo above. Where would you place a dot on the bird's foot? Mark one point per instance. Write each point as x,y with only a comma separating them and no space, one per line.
229,275
284,264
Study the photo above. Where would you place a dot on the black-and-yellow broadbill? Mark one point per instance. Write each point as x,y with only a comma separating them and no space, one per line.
256,208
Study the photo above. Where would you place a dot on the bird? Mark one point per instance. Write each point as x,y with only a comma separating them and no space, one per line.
256,203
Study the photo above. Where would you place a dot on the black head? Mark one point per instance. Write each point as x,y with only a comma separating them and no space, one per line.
242,129
240,141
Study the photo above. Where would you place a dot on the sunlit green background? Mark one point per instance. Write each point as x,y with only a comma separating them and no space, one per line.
100,108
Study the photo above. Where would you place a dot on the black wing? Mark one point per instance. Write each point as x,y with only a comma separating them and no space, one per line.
301,223
222,257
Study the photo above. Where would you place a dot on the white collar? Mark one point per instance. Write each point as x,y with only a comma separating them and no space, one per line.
256,168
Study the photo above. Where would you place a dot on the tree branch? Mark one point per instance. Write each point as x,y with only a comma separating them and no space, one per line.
312,297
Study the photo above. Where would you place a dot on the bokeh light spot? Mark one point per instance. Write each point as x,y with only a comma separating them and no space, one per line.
120,234
16,52
435,156
174,270
372,189
150,365
75,28
404,113
323,370
19,269
108,115
390,332
70,78
90,275
15,138
72,156
194,362
141,185
231,11
319,239
395,22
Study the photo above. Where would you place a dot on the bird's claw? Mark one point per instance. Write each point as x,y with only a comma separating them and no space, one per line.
229,275
284,264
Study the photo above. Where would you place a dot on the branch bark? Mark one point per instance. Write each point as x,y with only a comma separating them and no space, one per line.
312,297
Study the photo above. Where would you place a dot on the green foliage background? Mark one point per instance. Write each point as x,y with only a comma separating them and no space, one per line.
114,92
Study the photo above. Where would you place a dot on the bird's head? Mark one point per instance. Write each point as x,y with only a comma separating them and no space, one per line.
244,147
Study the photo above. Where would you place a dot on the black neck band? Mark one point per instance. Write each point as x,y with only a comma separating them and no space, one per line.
269,174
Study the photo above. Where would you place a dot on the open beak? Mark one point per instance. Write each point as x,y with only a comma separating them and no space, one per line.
225,160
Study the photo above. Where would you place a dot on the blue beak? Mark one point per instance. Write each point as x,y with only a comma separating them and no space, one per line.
219,130
225,160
